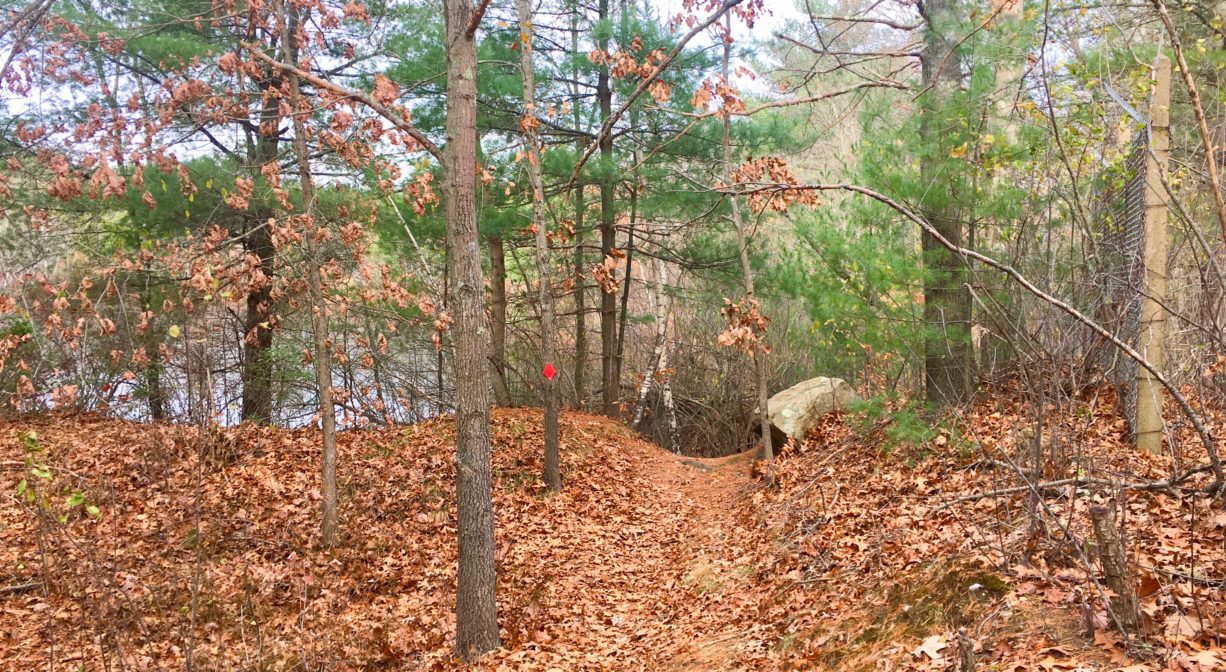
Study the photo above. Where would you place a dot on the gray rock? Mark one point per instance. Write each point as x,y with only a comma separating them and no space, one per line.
796,410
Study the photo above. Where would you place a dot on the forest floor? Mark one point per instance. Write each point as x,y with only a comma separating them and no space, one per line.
859,559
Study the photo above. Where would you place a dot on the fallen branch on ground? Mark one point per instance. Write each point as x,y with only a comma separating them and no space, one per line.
1168,484
19,588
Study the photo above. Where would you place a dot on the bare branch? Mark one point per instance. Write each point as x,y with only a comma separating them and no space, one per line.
382,110
821,51
881,84
475,21
1215,462
607,127
867,19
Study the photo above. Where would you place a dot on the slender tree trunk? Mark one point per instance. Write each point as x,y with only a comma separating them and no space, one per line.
498,318
1125,610
624,311
385,409
319,303
153,370
153,381
1202,124
608,238
476,606
580,238
581,353
439,359
670,413
947,299
659,357
742,243
529,123
625,307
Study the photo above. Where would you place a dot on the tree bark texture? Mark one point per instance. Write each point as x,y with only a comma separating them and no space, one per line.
609,385
1125,609
498,319
476,607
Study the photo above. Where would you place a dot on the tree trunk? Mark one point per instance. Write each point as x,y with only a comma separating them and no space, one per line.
625,307
257,344
319,303
153,370
580,302
476,606
742,243
659,359
439,360
608,238
947,299
549,391
655,291
498,319
580,237
670,413
1124,606
153,381
257,366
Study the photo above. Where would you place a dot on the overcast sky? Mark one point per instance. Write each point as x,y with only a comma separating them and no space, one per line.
777,13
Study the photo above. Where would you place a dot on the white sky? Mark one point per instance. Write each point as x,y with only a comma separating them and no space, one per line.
777,13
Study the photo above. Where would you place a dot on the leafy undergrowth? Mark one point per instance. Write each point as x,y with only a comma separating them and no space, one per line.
644,561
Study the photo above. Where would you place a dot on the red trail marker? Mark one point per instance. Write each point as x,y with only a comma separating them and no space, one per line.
549,372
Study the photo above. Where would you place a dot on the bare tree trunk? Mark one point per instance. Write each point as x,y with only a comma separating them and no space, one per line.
319,303
257,344
580,303
257,366
580,237
608,238
1124,607
476,606
670,412
156,394
947,300
439,359
662,305
529,123
625,307
153,380
742,243
498,318
659,356
624,312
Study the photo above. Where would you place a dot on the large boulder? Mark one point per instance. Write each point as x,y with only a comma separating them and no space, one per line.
796,410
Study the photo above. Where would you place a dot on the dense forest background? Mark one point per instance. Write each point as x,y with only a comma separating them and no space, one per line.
333,218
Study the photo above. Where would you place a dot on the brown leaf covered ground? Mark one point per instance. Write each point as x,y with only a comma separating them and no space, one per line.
645,560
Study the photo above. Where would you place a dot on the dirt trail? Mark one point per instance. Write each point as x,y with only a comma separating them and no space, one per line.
652,572
711,495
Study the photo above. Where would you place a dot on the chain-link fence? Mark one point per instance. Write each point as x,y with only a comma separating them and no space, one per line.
1119,217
